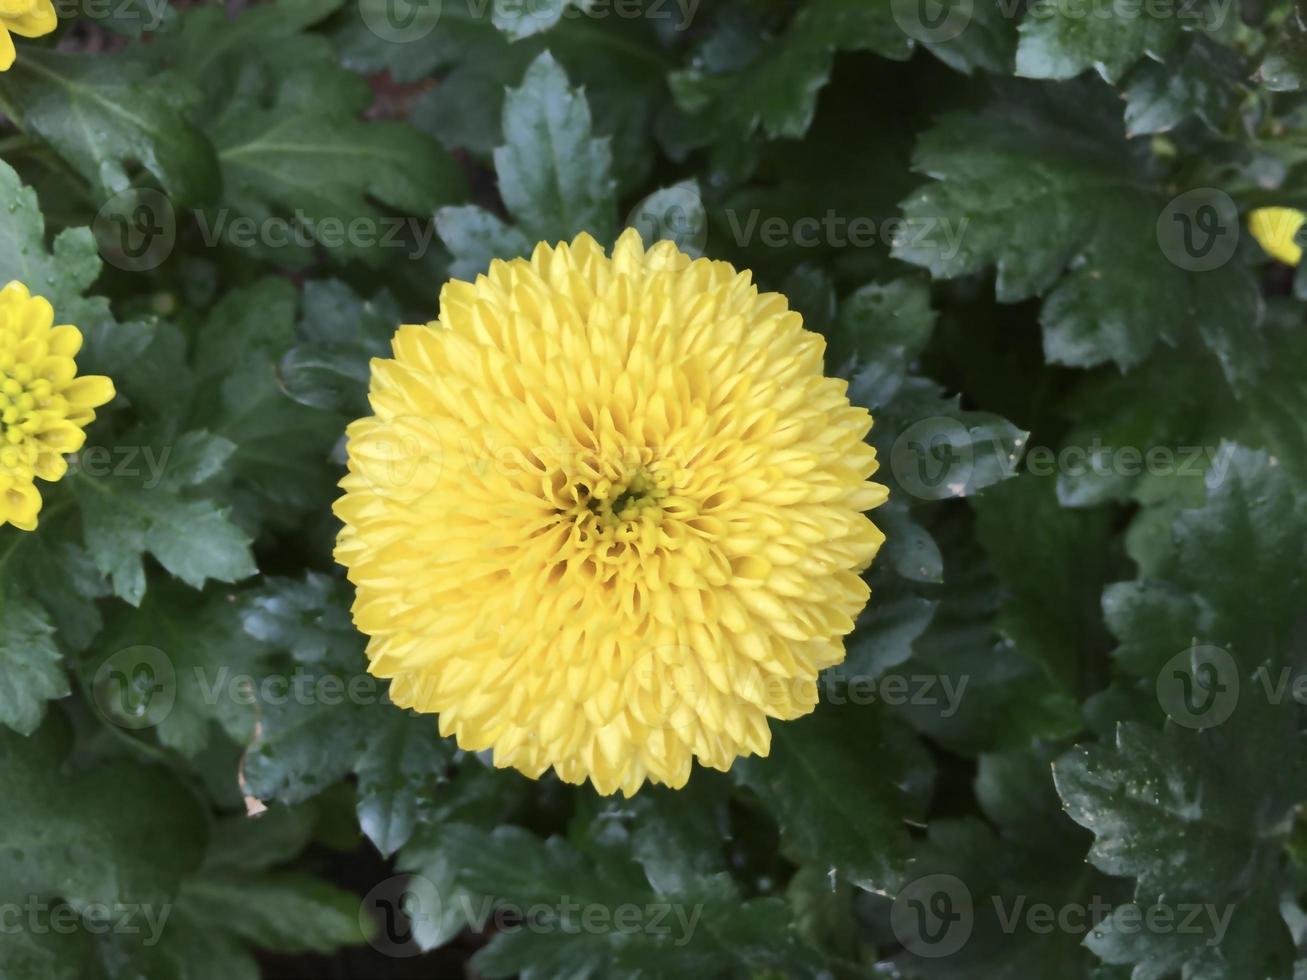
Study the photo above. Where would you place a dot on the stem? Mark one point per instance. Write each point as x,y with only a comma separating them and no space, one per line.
7,108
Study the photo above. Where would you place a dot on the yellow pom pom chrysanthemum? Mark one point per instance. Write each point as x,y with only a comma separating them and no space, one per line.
28,18
608,514
44,406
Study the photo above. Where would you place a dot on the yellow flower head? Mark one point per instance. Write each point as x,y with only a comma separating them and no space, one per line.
28,18
1276,231
44,406
608,514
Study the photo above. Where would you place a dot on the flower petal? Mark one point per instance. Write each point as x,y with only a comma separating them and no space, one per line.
90,391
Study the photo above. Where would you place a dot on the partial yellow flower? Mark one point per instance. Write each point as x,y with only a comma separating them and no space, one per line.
608,514
28,18
44,406
1276,231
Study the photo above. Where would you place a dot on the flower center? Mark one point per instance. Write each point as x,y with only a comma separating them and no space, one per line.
619,509
22,396
615,505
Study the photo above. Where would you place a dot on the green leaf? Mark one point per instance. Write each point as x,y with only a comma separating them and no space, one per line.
100,111
210,45
935,449
94,835
206,664
300,169
281,463
707,928
674,214
675,835
1092,222
1193,813
1001,699
1191,598
988,39
514,866
31,666
1254,508
1151,435
884,637
44,955
880,329
745,79
193,539
1198,80
1194,817
1284,68
1061,38
240,901
1247,940
340,333
323,721
1277,397
619,59
290,913
476,237
313,727
309,620
397,775
61,577
909,548
62,273
476,794
315,174
1007,871
554,176
1051,614
521,20
833,805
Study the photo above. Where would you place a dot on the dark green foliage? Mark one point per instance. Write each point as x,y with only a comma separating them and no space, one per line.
1066,741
